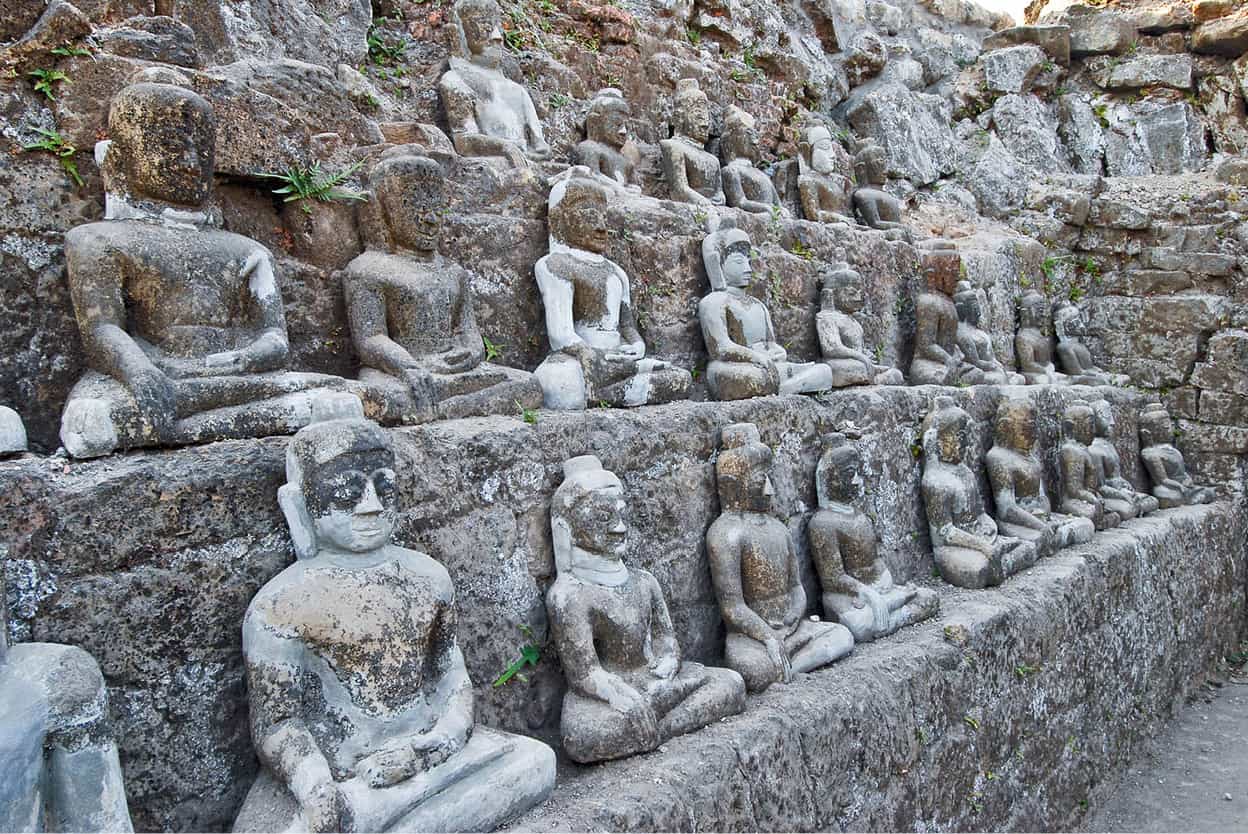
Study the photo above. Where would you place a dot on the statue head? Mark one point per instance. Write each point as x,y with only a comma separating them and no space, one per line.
838,475
816,149
966,300
1064,315
870,165
577,214
742,470
693,111
1016,425
1103,414
163,143
606,121
1077,423
1033,310
588,514
411,197
843,289
945,432
726,256
740,139
340,492
480,24
1156,427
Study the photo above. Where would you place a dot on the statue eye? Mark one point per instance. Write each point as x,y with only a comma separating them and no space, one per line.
384,482
347,489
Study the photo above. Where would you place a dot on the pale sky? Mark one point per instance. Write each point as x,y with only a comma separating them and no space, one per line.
1011,7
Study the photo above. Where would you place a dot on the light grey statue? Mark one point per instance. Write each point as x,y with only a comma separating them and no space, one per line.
745,187
605,150
1173,486
1034,344
1023,510
1074,357
840,332
826,194
975,344
692,172
874,206
858,588
60,765
968,548
1105,456
1079,477
489,114
628,688
755,574
597,355
361,706
411,309
12,432
745,358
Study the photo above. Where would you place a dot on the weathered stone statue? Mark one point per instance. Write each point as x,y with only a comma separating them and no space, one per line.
840,333
361,707
745,359
1023,507
755,574
1080,477
489,114
968,548
12,432
1033,344
1074,356
858,588
937,358
975,344
411,310
692,172
60,765
628,689
606,135
745,187
597,353
1172,485
182,323
826,195
874,206
1105,456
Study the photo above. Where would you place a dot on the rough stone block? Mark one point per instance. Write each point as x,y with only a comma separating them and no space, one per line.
1012,69
1117,214
1207,437
1203,263
1054,40
1227,36
1101,33
1141,282
1224,408
1151,71
1160,18
1182,314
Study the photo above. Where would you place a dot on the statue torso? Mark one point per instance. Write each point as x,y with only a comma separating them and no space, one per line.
1105,456
746,319
756,185
605,160
501,104
702,169
597,293
939,307
954,485
423,300
856,539
620,621
846,326
763,543
1024,474
1041,349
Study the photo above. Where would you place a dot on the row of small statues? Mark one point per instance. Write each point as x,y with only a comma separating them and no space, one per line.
184,329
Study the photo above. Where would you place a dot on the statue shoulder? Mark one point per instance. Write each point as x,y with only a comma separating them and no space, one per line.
425,566
98,234
70,679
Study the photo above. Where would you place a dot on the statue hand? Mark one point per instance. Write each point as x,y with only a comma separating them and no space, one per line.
435,747
421,384
778,657
325,809
226,362
633,705
540,153
265,353
156,399
389,767
665,667
454,361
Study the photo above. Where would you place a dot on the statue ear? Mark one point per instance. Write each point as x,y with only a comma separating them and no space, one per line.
711,260
561,539
302,533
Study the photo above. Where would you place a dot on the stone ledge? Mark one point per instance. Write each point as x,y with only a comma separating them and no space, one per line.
1000,715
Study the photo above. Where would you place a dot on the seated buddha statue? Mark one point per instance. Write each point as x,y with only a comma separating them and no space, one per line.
1073,355
692,172
874,206
975,344
1105,456
937,358
1033,344
1079,477
1173,485
605,150
826,194
840,333
745,187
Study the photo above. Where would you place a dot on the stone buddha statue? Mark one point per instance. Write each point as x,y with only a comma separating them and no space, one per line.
606,136
1017,478
361,706
745,359
745,187
1172,485
975,344
969,549
489,114
411,310
858,589
937,358
692,172
61,771
1079,476
826,195
597,354
1105,456
12,432
874,206
628,688
182,323
1033,344
1074,357
840,333
755,574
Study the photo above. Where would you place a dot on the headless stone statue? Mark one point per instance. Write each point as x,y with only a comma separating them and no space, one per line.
975,344
858,589
411,310
489,114
692,173
1080,478
755,574
628,689
969,550
745,359
840,333
825,193
606,149
361,706
182,323
60,765
1033,344
597,354
874,206
1105,456
1172,485
745,187
1017,478
937,358
1074,356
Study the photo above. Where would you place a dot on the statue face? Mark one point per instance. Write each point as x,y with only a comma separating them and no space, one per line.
164,138
968,308
849,294
612,129
353,502
483,33
1157,428
952,438
694,117
757,482
413,204
1031,311
741,142
843,477
1063,318
871,166
1016,427
821,158
584,226
599,522
1078,422
737,269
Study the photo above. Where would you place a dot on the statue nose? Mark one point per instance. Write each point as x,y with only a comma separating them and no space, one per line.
767,488
369,502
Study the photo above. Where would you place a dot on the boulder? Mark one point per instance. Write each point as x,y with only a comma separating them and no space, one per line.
1054,40
998,180
158,39
1028,129
1225,113
1082,133
1151,137
912,127
1100,33
12,432
1151,71
1012,69
1224,36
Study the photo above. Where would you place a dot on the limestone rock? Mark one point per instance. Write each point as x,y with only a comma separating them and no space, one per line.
1225,111
1152,70
1223,36
1053,39
1100,33
1149,137
866,57
1233,170
1012,69
913,129
1158,18
1082,134
159,39
998,180
1028,129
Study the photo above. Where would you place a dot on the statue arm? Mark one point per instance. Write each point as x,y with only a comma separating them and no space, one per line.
631,342
537,138
808,191
1009,510
574,641
724,552
797,591
940,519
677,176
831,345
662,632
557,303
734,192
460,103
825,549
269,350
367,315
1157,470
467,334
713,317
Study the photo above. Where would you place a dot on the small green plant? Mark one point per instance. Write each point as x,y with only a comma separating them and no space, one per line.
383,52
693,36
492,351
530,654
45,78
303,185
528,415
558,100
1076,292
971,721
1023,670
1102,114
68,50
801,251
54,143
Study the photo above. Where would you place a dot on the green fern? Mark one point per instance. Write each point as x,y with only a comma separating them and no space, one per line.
306,184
